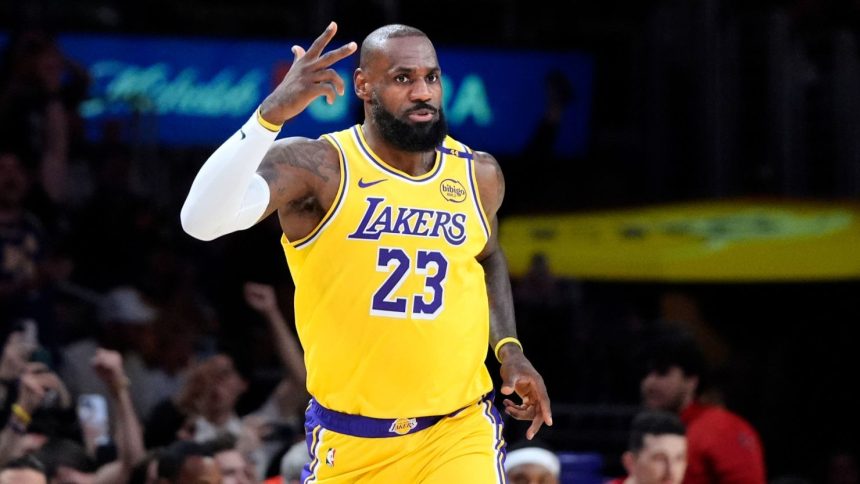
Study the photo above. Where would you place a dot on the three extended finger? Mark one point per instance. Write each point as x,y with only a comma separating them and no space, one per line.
298,53
340,53
319,44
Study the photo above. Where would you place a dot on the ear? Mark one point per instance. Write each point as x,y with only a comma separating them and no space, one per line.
628,460
359,81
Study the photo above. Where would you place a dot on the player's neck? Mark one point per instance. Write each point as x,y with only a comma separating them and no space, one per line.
414,163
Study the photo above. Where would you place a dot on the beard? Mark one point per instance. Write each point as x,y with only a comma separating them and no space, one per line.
411,137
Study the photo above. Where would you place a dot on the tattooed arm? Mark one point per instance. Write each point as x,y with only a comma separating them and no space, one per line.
229,194
518,374
303,176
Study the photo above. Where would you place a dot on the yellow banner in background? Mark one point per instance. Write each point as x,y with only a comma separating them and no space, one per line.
707,241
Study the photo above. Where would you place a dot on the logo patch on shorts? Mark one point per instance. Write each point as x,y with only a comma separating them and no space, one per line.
452,190
403,426
329,458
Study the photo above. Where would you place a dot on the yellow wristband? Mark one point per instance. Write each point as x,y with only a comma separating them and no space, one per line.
271,127
21,414
504,341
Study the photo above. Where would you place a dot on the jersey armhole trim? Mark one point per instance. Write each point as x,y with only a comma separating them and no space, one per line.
338,199
473,184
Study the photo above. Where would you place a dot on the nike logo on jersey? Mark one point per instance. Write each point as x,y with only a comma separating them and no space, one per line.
242,133
363,184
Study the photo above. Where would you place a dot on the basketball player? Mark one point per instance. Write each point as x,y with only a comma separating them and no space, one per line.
390,233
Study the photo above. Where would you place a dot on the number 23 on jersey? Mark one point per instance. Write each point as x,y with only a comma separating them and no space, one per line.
429,264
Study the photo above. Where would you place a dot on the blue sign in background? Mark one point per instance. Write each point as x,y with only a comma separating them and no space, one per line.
199,91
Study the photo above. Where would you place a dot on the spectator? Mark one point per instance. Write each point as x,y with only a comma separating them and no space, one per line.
262,298
234,466
220,388
657,450
187,462
282,414
17,351
67,462
126,320
24,470
532,464
146,471
41,411
22,241
293,462
722,446
40,91
203,409
127,436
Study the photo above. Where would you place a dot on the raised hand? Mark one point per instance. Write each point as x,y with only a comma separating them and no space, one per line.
51,390
261,297
518,375
31,392
16,353
108,366
309,77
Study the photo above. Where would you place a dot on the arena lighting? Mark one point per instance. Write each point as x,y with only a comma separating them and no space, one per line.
708,241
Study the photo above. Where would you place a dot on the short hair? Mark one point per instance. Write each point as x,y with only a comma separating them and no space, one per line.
28,461
65,453
223,442
174,455
374,40
653,422
673,347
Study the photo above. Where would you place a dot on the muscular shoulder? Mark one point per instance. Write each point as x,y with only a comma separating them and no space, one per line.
312,155
491,182
296,168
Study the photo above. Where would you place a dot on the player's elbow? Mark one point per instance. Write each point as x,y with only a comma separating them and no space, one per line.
195,226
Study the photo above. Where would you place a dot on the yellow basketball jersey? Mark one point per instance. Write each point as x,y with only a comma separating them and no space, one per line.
391,305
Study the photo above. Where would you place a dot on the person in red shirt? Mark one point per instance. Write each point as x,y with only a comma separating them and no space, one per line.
657,450
722,446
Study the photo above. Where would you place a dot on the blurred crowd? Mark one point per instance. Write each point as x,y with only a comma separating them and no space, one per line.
115,362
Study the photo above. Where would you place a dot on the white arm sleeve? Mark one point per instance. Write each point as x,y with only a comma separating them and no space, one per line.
228,195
